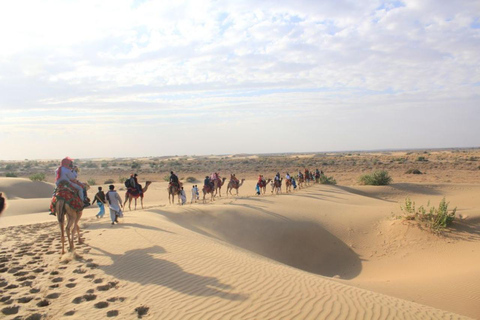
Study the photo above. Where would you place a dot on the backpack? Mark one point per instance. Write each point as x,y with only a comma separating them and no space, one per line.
128,183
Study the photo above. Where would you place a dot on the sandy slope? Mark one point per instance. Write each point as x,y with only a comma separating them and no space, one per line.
251,257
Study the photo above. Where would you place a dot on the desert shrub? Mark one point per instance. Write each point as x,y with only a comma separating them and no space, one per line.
191,179
91,165
37,177
377,178
135,165
437,219
104,165
166,178
422,159
109,181
327,180
10,175
91,182
122,179
413,171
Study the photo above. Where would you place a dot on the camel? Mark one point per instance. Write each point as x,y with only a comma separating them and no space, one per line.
300,182
134,194
174,190
234,185
217,186
288,185
263,187
73,216
206,190
277,186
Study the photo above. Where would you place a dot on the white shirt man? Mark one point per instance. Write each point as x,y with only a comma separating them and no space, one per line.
115,203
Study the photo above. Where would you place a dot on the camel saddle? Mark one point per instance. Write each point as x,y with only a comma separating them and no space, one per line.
64,191
208,188
134,192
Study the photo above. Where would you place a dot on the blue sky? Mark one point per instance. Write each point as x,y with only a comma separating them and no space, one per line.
148,78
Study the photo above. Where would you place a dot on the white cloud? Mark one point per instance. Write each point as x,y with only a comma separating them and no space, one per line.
242,61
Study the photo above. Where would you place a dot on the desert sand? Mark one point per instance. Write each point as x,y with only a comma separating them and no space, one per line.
318,253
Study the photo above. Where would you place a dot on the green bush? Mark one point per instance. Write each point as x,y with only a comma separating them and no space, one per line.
377,178
413,171
91,165
109,181
166,178
327,180
437,219
10,175
135,165
91,182
191,179
422,159
37,177
122,179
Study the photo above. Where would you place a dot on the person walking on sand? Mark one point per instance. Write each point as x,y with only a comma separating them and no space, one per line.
115,203
100,200
183,196
194,194
3,203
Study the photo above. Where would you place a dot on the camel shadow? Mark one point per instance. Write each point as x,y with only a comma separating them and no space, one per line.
149,269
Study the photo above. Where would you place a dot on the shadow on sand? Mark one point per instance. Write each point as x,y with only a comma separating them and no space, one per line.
142,266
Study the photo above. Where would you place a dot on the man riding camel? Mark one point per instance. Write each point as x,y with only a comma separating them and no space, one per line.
174,179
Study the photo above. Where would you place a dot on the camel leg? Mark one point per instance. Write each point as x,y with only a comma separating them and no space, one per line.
70,225
126,199
141,201
135,203
61,223
76,227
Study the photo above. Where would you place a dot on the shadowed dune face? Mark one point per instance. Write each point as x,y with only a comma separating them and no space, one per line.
26,189
304,245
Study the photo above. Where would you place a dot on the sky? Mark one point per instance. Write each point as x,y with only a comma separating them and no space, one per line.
118,78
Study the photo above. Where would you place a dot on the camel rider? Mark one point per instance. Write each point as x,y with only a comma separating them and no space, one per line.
65,173
287,176
207,182
136,185
277,176
317,173
173,179
75,171
300,174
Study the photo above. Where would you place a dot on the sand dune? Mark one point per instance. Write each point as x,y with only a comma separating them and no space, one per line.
322,252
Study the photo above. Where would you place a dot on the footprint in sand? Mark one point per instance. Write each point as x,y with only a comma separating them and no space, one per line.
112,313
69,313
34,290
35,316
10,310
43,303
89,276
70,285
101,305
58,279
78,300
25,299
141,311
53,295
100,280
90,297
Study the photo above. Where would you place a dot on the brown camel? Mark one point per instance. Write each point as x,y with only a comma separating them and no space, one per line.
300,182
263,187
234,185
134,194
173,190
217,186
288,185
62,209
206,190
277,186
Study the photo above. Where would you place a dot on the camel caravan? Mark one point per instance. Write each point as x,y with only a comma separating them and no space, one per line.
70,195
